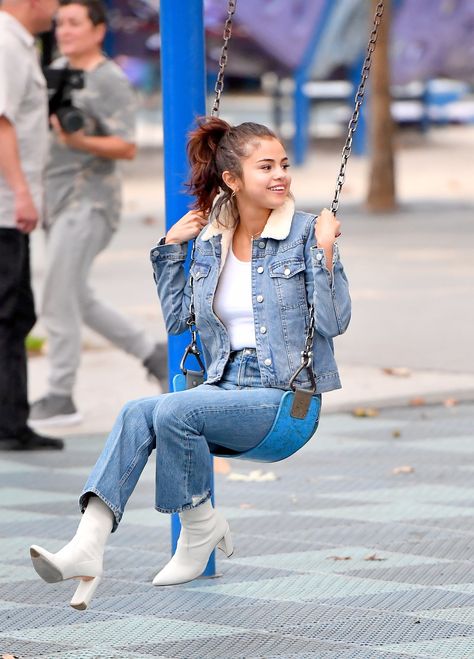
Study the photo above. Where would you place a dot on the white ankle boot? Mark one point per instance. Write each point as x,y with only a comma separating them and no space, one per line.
82,557
202,530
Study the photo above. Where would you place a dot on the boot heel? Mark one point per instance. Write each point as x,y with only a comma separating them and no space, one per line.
84,593
226,545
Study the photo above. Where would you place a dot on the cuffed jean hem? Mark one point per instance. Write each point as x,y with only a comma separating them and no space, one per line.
186,506
84,498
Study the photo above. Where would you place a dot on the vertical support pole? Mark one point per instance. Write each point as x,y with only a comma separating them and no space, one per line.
301,114
184,98
301,103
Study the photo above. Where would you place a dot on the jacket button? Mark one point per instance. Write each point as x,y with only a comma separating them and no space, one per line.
286,272
263,329
261,244
319,257
260,269
268,362
259,298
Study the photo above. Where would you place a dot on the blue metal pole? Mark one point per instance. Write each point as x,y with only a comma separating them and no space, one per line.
184,98
301,103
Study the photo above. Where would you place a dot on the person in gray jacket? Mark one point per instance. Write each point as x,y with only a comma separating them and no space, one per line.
83,202
258,267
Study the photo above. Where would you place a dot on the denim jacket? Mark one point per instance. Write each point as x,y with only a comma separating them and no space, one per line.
288,272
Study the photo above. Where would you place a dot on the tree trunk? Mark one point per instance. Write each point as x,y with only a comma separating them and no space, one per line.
381,192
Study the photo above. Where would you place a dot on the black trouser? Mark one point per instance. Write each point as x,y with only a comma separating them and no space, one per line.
17,317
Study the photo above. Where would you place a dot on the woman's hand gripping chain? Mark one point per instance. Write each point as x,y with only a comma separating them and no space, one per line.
327,229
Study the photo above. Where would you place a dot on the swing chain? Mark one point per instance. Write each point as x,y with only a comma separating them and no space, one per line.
192,348
307,352
231,6
359,97
306,355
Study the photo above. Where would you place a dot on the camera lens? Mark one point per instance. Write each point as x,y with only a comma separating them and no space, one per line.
71,119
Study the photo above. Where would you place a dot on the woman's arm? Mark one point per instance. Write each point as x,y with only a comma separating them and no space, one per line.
327,287
168,259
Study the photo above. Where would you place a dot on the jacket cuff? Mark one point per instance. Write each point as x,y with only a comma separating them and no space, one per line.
170,252
319,257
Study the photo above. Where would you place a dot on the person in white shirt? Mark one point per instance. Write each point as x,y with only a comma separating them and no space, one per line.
23,139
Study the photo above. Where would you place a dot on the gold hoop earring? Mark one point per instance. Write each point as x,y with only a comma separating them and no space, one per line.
233,194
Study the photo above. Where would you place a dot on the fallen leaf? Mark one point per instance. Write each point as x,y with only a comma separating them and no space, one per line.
364,411
374,557
399,372
221,466
405,469
340,558
257,475
396,433
450,402
418,401
246,506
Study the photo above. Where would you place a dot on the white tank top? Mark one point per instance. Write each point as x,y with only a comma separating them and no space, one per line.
233,302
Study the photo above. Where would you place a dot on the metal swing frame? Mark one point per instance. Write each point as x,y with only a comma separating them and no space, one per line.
298,416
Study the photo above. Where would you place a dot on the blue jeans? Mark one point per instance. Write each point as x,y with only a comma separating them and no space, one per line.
236,413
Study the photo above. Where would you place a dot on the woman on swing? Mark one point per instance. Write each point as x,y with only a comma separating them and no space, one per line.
258,265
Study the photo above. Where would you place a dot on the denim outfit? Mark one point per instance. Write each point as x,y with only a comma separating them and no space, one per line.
288,270
236,406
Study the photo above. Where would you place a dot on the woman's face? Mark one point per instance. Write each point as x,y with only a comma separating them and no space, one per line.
75,32
265,179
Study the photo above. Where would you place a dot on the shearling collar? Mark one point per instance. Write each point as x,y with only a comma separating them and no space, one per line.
278,224
278,227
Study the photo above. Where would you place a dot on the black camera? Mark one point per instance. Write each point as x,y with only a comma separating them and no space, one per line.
61,83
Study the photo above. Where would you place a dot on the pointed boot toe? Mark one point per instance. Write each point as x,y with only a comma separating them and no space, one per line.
44,564
66,564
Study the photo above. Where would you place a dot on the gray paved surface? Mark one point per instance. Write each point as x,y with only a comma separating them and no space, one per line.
339,557
287,592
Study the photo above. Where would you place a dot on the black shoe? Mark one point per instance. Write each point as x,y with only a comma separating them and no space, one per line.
30,441
157,365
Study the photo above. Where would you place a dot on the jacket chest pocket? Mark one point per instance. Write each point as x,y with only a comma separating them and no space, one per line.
288,277
201,283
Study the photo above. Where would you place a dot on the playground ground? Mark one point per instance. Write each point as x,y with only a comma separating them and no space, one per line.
358,547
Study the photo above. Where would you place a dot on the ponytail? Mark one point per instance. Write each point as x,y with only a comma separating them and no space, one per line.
205,181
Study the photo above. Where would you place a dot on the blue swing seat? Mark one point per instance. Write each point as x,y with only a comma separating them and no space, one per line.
287,435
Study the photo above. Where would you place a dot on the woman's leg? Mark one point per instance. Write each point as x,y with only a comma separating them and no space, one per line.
81,557
103,500
185,425
124,456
